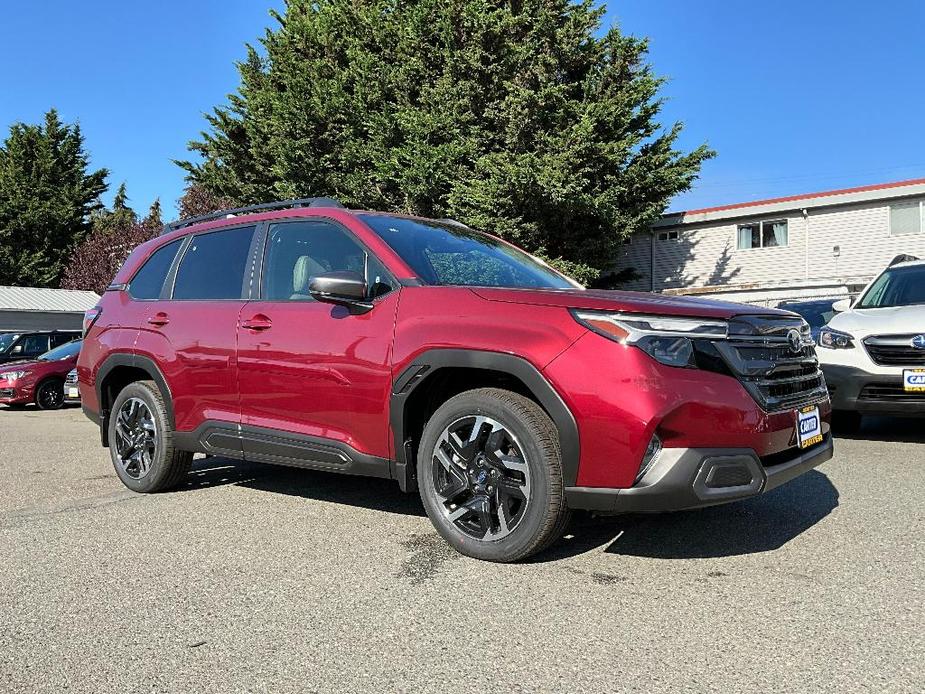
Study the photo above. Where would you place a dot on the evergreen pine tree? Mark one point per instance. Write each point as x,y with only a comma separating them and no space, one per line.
521,119
47,195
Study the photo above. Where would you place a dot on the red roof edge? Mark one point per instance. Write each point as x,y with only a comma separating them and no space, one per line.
808,196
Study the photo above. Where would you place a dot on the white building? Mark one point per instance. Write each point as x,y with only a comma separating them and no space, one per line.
31,308
818,244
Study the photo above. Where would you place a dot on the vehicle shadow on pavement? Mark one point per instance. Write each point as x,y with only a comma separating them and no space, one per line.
898,429
365,492
760,524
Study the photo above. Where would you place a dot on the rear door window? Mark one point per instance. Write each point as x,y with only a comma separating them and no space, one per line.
214,264
149,280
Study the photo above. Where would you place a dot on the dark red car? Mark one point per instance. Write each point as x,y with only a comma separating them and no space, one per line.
306,334
40,380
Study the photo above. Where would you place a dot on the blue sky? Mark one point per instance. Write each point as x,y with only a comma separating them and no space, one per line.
794,96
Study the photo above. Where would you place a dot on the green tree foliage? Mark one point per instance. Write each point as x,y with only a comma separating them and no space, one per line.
47,195
154,220
120,216
514,117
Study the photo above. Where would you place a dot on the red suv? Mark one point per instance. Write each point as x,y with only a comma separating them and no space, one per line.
306,334
39,380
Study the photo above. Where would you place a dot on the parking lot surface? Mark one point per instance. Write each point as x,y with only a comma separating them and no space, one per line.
260,578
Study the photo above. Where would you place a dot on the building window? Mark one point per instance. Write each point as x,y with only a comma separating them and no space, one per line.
906,218
770,234
668,236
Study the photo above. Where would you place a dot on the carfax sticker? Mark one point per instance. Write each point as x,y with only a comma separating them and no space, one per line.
809,426
914,380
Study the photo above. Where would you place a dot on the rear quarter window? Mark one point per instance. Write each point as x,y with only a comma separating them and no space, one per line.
149,280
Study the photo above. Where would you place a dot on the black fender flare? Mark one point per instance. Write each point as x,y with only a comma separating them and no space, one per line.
432,360
137,361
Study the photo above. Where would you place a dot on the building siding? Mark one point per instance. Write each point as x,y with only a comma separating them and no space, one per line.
705,254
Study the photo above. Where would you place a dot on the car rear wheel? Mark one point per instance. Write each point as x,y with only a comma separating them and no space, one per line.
490,474
50,394
141,440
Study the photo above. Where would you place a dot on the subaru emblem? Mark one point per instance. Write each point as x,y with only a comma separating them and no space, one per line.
918,342
795,340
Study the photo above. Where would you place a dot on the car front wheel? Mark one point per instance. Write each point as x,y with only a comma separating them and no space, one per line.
490,474
141,440
50,395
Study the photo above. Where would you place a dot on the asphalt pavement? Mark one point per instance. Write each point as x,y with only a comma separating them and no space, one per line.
256,578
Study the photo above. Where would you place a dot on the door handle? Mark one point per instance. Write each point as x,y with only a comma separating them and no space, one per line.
257,323
159,319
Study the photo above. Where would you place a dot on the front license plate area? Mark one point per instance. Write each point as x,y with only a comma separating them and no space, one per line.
914,380
809,426
73,392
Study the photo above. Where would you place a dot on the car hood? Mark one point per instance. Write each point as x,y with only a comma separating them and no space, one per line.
894,320
18,364
631,302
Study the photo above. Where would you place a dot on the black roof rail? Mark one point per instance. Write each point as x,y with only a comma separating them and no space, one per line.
263,207
902,258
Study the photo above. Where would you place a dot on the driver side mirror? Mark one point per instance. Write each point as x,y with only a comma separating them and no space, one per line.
17,349
342,287
841,305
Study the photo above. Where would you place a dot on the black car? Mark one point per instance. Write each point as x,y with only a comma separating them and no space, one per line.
816,312
29,345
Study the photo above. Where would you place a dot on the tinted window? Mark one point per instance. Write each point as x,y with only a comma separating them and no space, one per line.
33,345
448,254
62,338
213,265
149,280
71,349
298,251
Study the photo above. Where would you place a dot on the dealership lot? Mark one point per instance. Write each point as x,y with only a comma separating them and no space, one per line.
257,578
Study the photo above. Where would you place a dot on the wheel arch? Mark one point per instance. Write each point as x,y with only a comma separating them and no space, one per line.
116,372
437,374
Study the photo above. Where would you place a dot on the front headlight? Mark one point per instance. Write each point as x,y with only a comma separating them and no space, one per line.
667,339
835,339
14,375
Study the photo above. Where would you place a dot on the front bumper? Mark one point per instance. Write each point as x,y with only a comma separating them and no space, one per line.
685,478
853,388
14,395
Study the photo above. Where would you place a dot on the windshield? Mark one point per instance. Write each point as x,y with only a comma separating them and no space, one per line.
447,254
897,286
71,349
816,313
7,339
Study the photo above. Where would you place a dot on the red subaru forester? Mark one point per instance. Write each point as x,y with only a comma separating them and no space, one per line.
305,334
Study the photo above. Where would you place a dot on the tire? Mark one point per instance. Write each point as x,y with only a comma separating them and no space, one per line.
846,421
50,394
146,459
513,504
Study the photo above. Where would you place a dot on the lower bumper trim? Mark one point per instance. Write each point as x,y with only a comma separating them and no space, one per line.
686,478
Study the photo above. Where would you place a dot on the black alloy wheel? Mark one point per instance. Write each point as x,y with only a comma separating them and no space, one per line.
481,477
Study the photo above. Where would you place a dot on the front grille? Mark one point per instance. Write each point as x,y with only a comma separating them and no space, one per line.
759,354
894,350
889,392
71,378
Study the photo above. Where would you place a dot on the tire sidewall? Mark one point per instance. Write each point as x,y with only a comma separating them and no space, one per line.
159,468
517,543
